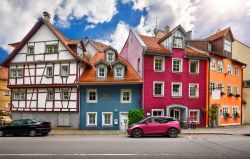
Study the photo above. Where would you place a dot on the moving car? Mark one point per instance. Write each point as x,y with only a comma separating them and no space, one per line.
154,126
31,127
5,120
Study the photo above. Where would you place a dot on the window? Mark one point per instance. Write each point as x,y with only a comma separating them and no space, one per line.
65,70
50,95
52,48
126,96
229,69
209,47
159,63
110,57
13,73
6,93
235,111
212,64
236,90
18,96
65,94
101,72
220,66
227,45
176,89
220,87
107,119
31,49
91,118
229,89
212,86
193,90
236,71
119,71
91,96
194,66
177,65
49,71
138,64
17,72
177,42
157,112
194,116
158,89
225,111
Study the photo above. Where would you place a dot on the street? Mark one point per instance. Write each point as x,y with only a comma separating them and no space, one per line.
121,146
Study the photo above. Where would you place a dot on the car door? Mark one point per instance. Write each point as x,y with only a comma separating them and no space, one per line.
151,126
163,126
14,127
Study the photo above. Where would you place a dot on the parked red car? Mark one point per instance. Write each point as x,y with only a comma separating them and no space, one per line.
155,125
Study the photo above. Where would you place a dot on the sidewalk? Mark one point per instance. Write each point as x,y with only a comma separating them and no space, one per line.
228,130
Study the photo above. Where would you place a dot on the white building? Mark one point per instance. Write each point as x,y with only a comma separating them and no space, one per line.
43,72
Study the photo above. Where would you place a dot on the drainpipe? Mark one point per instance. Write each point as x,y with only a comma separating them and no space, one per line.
242,92
208,94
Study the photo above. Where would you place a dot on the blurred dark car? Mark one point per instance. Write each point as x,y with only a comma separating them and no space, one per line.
31,127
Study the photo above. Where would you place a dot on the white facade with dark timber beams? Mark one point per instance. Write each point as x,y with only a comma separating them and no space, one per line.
43,72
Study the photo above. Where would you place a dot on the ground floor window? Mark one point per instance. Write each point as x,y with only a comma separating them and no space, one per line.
157,112
91,118
235,111
107,118
194,115
226,112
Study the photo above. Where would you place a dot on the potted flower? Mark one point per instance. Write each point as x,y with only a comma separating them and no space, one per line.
226,116
236,115
222,93
230,94
237,95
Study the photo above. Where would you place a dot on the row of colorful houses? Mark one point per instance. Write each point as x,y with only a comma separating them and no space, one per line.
89,85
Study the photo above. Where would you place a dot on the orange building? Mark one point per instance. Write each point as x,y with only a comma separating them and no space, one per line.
225,76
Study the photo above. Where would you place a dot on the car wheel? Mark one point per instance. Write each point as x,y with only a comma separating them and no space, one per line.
32,133
137,133
1,133
172,132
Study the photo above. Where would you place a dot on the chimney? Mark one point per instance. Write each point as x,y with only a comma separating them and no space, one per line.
167,29
189,35
46,16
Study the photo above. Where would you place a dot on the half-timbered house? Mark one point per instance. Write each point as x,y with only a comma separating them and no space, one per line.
43,71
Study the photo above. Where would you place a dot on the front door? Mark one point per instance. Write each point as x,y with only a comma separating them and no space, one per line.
175,113
123,121
63,119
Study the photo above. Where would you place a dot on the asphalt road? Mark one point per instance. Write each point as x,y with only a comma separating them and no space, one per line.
123,147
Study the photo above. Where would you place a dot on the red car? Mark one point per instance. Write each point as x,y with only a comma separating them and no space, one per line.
155,125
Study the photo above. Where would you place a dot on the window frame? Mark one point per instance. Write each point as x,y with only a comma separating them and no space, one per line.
162,111
233,108
87,96
198,115
197,91
236,68
226,111
29,50
178,40
103,118
210,88
198,67
87,120
230,89
176,83
67,74
180,65
231,69
54,49
220,66
130,95
47,75
122,72
237,88
162,64
162,88
213,64
222,88
227,45
63,95
49,95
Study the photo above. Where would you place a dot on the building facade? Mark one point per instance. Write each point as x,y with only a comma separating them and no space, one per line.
43,71
108,90
174,75
242,53
4,91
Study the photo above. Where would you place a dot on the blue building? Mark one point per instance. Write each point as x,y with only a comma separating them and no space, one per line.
108,90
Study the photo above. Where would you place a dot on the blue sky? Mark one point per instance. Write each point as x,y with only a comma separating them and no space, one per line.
109,20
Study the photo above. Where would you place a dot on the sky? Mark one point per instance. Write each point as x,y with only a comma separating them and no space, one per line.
109,21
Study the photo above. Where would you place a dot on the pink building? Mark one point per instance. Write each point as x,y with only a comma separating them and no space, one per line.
174,74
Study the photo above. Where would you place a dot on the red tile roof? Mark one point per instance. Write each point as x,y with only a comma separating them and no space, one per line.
3,73
89,76
218,35
152,44
193,52
101,47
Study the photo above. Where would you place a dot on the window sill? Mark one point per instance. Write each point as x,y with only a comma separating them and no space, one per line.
179,72
91,102
161,96
51,52
195,74
91,125
107,125
176,96
193,97
64,75
159,70
126,102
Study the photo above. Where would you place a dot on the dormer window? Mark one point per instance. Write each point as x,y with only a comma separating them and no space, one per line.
110,57
119,71
178,42
227,45
209,47
101,72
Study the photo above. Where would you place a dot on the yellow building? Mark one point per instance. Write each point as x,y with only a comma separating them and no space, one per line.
4,91
242,53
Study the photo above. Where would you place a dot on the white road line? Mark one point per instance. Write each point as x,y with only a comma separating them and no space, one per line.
164,154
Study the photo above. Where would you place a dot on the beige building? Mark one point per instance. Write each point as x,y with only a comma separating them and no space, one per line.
242,53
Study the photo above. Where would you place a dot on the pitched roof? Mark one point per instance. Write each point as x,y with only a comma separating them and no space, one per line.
170,33
152,44
66,41
219,34
3,73
194,52
101,47
89,76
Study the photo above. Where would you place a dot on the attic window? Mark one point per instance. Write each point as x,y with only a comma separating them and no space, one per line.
101,71
31,49
209,47
52,48
227,46
119,71
110,57
177,42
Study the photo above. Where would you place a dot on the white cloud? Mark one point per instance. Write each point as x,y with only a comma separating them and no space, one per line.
87,27
18,16
202,16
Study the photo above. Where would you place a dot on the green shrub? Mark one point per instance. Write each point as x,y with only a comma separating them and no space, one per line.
135,115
